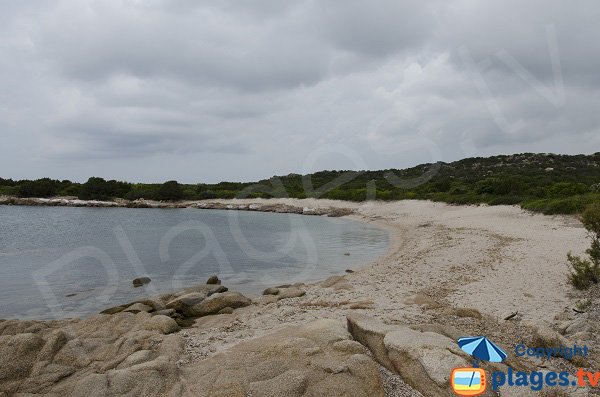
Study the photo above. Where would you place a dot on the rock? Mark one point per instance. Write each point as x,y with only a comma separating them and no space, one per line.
371,333
424,360
55,341
545,336
138,357
351,347
138,307
291,383
226,310
213,280
272,366
214,303
104,355
579,325
207,289
412,351
185,303
138,282
18,354
271,291
292,292
163,324
349,271
114,310
166,312
331,281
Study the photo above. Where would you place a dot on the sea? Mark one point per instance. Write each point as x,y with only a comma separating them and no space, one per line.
66,262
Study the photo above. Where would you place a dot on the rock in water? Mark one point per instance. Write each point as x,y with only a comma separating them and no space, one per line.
213,280
138,282
271,291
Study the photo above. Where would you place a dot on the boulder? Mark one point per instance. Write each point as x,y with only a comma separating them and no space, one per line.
424,360
213,280
226,310
271,291
292,292
166,312
140,281
185,303
138,307
163,324
207,289
114,310
214,303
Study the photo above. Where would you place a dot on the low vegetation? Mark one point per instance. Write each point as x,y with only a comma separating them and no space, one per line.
547,183
586,271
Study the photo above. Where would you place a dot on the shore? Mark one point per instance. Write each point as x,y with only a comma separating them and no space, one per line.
259,205
450,271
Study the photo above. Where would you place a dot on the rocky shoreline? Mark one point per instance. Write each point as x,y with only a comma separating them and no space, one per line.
258,205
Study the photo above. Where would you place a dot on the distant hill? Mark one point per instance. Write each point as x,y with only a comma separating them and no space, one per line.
544,182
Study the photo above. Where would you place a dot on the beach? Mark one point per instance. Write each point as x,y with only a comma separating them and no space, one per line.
464,267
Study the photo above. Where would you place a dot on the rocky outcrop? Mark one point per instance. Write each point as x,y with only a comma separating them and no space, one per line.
185,303
124,354
317,359
424,360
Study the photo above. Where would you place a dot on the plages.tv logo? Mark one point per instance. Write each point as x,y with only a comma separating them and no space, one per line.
471,381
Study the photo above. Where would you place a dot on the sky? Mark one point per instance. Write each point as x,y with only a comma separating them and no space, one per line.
205,91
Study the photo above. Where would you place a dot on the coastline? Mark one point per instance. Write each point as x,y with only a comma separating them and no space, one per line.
260,205
465,266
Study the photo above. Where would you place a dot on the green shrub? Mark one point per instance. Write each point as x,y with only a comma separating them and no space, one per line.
585,272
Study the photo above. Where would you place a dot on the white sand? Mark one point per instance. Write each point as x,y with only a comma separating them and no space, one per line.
494,259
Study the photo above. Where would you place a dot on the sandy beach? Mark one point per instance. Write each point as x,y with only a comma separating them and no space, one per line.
463,267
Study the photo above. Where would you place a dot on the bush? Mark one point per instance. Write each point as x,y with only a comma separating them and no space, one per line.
170,190
586,272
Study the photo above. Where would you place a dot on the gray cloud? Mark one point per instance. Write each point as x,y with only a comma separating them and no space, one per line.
236,90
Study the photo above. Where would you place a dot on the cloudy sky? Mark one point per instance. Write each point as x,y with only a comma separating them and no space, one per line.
151,90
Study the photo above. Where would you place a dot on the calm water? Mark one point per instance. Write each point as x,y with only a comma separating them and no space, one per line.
67,262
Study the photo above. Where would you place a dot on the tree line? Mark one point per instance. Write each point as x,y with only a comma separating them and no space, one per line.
548,183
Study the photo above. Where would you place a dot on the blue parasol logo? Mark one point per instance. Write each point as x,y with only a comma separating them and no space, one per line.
482,348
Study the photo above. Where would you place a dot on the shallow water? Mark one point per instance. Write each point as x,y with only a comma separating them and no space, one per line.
58,262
